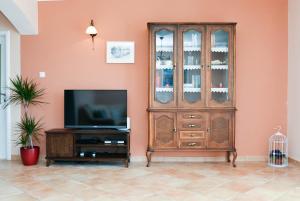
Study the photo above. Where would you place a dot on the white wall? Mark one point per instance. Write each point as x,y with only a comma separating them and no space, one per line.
23,14
15,69
294,79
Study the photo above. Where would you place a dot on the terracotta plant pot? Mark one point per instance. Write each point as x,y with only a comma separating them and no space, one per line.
30,156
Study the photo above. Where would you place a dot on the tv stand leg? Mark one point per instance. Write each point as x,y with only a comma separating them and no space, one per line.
148,155
126,163
48,162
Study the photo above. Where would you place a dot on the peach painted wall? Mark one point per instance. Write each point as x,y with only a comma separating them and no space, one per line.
64,52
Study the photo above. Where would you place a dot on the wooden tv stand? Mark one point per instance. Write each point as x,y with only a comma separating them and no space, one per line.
69,144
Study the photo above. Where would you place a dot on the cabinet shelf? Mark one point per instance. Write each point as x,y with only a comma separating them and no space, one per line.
100,145
219,67
164,89
191,67
219,49
192,49
164,49
192,90
164,67
219,90
99,157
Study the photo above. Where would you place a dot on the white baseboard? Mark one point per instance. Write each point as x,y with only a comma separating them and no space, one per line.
291,159
198,159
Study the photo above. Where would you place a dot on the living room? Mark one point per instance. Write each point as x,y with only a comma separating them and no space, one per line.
149,100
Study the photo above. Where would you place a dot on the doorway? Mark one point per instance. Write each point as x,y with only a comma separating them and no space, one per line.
5,134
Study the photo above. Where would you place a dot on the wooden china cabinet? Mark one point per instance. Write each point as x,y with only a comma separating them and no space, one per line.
192,88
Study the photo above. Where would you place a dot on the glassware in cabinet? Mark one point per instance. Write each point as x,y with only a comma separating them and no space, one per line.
192,43
164,75
219,65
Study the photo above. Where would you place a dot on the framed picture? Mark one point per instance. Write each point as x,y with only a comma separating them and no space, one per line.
119,52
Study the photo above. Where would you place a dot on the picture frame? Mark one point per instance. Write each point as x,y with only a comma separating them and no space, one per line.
120,52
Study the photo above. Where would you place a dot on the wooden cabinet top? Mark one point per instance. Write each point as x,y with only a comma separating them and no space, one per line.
191,23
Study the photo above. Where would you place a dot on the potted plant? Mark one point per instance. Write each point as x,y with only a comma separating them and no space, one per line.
25,92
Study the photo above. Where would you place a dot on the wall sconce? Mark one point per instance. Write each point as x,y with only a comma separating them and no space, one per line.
92,31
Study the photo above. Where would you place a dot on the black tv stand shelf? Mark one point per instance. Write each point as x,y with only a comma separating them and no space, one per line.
90,145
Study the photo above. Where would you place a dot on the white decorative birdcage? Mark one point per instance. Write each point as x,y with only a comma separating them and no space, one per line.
278,150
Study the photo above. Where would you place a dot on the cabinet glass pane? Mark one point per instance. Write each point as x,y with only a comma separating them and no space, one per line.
219,66
164,86
192,65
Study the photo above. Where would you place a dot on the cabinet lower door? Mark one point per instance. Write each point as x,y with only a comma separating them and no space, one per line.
163,130
220,135
59,145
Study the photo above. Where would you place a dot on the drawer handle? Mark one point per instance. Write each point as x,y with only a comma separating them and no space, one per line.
192,125
192,135
192,144
192,116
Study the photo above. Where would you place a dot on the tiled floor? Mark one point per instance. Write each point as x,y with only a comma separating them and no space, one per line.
164,181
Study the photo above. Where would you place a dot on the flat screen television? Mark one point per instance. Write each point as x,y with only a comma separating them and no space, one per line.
95,109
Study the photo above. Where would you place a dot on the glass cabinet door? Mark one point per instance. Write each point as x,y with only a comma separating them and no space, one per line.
220,66
164,61
191,77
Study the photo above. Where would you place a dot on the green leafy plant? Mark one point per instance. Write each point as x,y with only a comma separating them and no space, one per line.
29,128
25,92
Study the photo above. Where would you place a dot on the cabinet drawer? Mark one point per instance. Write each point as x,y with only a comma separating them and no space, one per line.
192,124
191,116
192,121
192,134
193,144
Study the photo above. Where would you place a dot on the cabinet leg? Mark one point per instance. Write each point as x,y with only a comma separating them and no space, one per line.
48,163
148,155
228,156
234,153
126,163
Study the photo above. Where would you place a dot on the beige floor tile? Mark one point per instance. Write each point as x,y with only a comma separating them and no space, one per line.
8,190
43,193
260,193
19,197
292,195
164,181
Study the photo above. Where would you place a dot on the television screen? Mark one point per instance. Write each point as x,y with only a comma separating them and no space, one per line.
95,108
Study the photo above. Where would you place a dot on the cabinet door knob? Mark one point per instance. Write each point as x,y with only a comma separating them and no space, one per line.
208,66
174,130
